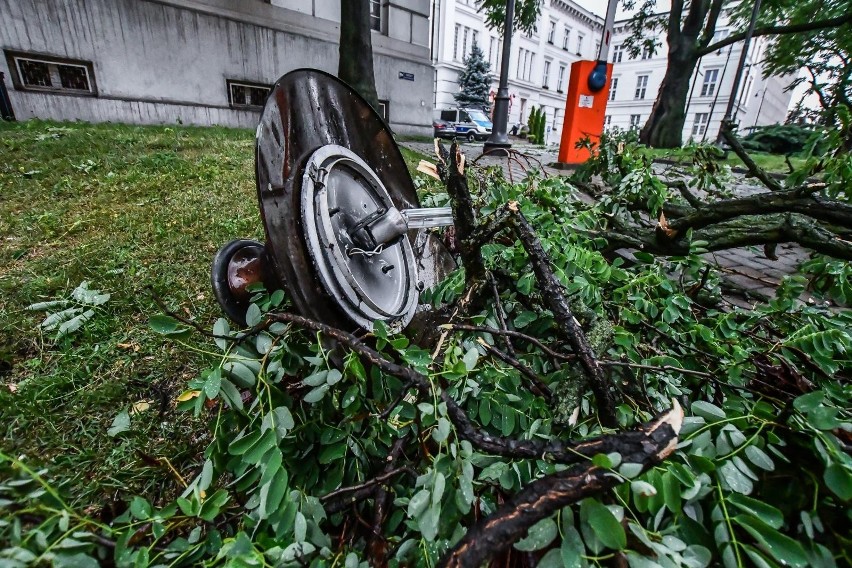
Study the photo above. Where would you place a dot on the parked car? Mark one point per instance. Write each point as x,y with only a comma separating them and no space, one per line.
470,123
443,129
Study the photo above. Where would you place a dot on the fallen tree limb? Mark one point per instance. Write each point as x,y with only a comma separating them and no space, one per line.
564,452
648,445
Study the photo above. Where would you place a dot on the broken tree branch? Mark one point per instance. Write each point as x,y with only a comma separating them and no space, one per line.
564,452
648,445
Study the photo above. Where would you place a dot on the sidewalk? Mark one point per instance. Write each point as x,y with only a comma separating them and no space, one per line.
745,268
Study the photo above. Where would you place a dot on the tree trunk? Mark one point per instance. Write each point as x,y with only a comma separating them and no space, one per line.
355,66
664,128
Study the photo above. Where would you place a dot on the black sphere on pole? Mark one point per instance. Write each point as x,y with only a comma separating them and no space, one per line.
498,143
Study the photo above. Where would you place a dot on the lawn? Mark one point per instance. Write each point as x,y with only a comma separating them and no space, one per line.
127,209
775,163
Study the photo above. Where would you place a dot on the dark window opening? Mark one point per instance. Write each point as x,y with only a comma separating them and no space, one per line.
247,95
36,72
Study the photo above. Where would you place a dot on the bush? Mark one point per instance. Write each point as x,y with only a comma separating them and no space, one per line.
780,138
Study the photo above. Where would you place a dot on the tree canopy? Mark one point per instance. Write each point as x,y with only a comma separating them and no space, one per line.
475,81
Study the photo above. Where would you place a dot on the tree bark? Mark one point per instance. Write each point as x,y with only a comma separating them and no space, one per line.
355,66
664,128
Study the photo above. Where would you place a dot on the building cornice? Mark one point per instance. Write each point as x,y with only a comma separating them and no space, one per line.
578,13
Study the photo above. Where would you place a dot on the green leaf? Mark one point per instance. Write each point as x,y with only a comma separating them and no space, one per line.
334,376
839,480
759,458
572,548
824,418
140,508
470,358
212,505
316,395
604,524
166,325
121,423
808,402
222,329
734,479
240,374
539,536
763,511
213,383
710,412
783,548
253,315
231,394
300,527
241,445
442,431
418,503
332,453
525,318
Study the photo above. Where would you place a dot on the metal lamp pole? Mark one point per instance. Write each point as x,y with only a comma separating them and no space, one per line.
498,143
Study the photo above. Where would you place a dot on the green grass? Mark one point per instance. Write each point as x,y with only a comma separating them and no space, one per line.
124,208
774,163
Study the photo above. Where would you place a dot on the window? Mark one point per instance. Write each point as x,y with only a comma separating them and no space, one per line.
491,45
608,120
456,43
464,41
647,51
561,78
475,39
708,87
634,121
545,77
613,87
551,34
245,95
566,38
384,109
376,15
32,72
525,64
597,48
580,38
641,86
617,53
699,125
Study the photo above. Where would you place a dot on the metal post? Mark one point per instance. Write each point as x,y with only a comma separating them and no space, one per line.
740,67
6,112
597,78
498,142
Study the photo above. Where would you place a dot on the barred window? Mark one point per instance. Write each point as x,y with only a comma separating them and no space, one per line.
35,72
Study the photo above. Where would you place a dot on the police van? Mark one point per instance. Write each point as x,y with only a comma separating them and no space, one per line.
470,123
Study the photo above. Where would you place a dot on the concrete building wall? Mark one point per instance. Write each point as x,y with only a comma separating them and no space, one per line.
705,106
528,85
163,61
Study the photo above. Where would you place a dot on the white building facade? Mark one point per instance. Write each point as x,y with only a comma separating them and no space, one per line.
198,61
540,62
636,81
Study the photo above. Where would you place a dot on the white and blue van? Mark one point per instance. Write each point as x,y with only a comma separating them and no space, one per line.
470,123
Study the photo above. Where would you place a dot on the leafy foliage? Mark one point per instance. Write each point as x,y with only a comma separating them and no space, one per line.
474,81
294,423
526,14
780,138
536,124
68,315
